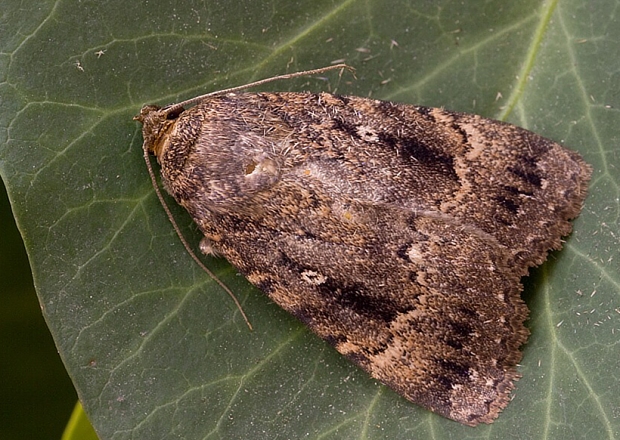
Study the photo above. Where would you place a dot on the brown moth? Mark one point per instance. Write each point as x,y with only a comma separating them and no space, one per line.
397,233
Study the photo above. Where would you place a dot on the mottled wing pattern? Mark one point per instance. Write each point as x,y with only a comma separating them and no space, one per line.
396,233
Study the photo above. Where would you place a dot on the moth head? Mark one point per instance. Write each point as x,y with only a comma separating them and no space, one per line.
156,125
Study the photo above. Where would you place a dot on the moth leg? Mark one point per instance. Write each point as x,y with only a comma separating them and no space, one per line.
207,248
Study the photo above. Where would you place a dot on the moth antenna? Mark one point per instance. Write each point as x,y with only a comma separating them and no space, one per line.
172,108
185,244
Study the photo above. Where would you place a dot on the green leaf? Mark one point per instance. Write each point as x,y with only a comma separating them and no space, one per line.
154,347
79,427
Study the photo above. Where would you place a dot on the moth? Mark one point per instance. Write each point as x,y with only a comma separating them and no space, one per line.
397,233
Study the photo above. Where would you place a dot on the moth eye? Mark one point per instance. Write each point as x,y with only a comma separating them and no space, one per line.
249,168
175,114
